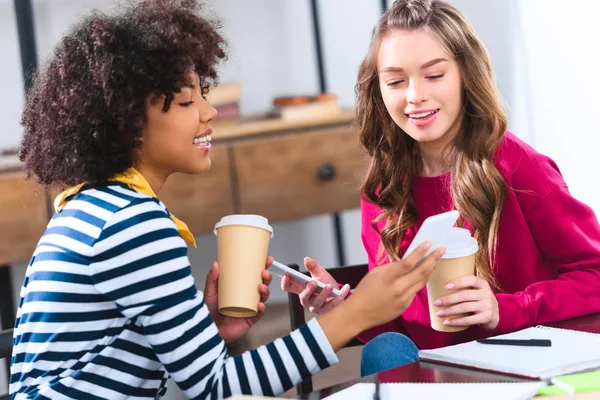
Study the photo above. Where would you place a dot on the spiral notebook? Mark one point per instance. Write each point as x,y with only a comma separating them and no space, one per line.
446,391
571,351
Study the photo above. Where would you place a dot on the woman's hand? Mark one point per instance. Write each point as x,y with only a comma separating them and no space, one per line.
318,303
382,295
388,290
232,328
477,299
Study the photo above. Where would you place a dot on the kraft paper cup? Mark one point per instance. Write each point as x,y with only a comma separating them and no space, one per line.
242,248
458,261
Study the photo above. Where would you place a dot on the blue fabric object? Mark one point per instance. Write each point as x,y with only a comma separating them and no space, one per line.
386,351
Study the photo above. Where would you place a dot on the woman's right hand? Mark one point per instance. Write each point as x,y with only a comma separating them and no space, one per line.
382,295
318,303
388,290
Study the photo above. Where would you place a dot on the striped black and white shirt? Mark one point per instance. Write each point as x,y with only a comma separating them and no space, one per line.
109,310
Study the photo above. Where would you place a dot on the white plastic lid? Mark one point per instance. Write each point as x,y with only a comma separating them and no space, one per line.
244,219
459,243
459,233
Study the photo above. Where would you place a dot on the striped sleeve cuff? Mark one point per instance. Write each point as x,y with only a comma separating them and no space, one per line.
323,343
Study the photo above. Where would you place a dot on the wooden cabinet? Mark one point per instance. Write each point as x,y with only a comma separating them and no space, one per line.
23,216
299,175
285,176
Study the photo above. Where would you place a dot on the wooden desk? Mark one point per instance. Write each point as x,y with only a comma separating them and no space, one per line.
427,372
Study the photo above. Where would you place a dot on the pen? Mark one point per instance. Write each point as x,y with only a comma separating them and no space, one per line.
376,394
518,342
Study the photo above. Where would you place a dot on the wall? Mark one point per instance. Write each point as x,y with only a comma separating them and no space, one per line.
562,55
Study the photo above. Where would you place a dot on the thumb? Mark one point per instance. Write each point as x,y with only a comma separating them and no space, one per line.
312,266
210,289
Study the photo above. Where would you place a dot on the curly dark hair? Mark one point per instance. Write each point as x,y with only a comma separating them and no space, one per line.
86,110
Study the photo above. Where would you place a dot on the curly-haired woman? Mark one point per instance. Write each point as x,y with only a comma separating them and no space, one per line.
108,308
432,122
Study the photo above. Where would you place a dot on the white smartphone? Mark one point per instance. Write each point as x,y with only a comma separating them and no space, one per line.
279,269
434,230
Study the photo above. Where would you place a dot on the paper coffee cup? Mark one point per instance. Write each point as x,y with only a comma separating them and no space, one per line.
458,261
242,248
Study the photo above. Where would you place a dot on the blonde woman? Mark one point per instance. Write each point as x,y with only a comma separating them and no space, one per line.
432,122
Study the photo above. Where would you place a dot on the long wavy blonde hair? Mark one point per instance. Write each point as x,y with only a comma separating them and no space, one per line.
478,190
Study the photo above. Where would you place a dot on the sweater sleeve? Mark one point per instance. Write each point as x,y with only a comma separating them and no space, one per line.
568,235
140,262
369,235
371,240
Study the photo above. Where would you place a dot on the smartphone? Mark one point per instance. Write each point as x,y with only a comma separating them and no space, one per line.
434,230
279,269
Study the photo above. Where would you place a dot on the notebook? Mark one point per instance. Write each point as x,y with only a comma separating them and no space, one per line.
445,391
571,351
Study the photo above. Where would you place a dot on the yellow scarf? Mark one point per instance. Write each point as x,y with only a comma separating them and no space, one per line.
137,182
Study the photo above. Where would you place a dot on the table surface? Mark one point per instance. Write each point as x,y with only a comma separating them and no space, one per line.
428,372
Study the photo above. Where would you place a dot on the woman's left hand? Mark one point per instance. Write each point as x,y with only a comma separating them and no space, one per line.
232,328
475,297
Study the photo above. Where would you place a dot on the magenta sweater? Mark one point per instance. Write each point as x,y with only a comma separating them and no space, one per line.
548,255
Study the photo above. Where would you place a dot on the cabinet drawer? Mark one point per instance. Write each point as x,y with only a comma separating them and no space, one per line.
201,200
299,175
23,216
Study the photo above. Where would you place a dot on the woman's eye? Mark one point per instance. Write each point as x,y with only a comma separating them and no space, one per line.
434,77
395,83
186,104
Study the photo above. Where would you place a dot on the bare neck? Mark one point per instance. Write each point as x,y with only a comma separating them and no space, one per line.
432,157
156,179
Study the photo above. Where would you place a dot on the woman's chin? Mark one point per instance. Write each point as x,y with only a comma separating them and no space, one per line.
197,168
425,135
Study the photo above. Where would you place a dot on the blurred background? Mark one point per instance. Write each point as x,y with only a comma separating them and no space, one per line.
545,55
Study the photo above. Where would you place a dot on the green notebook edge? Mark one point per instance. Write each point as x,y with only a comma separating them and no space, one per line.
582,382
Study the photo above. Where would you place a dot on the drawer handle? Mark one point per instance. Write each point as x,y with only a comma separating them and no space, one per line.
326,172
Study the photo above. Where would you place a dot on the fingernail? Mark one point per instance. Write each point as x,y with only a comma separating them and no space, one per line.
442,251
426,246
437,303
440,313
447,322
449,286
